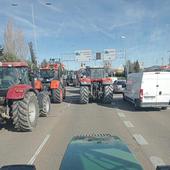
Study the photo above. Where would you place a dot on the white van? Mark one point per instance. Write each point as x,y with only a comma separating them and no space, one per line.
148,89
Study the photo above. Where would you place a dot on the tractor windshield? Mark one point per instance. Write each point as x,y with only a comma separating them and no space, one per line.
95,72
13,75
46,74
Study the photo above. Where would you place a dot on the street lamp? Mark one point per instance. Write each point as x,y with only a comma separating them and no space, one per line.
14,4
33,22
48,3
125,56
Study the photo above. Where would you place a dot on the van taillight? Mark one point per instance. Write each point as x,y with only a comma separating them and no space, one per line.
141,94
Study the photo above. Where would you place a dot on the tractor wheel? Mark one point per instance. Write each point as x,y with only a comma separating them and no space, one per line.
25,112
44,104
57,95
84,94
108,94
64,93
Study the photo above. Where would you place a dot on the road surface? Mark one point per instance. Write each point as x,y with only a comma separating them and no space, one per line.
146,132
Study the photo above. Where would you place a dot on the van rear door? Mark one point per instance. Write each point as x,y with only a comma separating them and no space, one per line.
163,87
149,88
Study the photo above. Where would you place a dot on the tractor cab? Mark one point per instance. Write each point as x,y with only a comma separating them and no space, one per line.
12,73
51,71
47,75
95,73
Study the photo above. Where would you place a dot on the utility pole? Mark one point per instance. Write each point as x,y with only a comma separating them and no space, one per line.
169,58
34,30
126,63
162,59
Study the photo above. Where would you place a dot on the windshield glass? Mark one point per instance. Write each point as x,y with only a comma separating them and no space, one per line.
11,75
95,72
120,82
46,73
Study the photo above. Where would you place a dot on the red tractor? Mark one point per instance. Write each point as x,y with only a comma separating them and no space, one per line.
19,100
94,85
51,77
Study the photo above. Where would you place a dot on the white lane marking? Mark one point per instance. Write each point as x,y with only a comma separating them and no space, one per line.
120,114
68,104
156,161
31,161
128,124
140,139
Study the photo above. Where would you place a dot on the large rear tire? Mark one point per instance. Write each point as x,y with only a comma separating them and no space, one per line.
25,112
164,108
84,94
57,95
108,94
44,104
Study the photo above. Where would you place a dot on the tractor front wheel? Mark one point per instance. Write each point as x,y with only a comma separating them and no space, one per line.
44,103
108,94
84,94
57,95
25,112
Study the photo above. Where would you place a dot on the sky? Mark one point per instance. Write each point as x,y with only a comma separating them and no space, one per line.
141,27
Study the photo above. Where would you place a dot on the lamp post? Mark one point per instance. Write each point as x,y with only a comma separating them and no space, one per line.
33,21
169,58
125,57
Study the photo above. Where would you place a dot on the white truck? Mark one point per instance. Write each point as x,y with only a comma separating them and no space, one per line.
148,89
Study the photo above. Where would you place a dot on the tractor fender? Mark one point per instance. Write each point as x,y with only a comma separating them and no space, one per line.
55,84
17,92
38,85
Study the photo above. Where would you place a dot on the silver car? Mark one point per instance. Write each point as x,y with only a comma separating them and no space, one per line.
119,86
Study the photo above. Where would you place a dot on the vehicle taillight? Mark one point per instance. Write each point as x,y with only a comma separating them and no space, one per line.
141,94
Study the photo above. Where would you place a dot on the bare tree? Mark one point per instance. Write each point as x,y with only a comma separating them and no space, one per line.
15,47
9,43
33,56
21,48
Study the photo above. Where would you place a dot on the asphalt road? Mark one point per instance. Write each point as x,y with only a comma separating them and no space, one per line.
146,132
